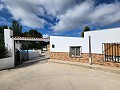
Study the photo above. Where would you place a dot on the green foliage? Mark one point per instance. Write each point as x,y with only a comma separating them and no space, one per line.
85,29
17,31
3,51
2,29
32,33
31,45
2,46
82,34
17,28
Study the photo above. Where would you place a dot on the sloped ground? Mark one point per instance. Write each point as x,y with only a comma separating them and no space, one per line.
39,74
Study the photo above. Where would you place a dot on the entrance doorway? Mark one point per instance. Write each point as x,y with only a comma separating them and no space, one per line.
30,50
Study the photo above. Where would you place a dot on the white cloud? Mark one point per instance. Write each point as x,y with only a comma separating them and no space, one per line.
26,12
73,14
74,17
45,36
105,14
88,14
1,6
56,7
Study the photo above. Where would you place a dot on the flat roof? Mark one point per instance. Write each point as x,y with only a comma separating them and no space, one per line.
103,29
30,39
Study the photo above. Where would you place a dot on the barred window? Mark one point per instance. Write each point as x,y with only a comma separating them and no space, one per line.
75,51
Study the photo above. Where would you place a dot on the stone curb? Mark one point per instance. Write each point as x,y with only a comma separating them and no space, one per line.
86,66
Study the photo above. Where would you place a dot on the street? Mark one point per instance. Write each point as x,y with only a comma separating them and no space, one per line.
45,75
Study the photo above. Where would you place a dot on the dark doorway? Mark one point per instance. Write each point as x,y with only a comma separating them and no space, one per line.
17,57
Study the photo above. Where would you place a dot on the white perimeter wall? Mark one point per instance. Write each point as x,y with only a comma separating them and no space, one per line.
6,63
32,54
9,61
62,44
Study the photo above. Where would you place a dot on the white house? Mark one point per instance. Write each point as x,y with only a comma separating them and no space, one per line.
100,46
15,54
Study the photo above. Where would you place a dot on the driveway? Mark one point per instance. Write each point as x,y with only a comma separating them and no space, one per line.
40,74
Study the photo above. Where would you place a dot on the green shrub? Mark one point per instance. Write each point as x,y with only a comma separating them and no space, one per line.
3,51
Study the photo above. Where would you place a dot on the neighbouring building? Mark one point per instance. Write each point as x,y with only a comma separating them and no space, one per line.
15,54
100,46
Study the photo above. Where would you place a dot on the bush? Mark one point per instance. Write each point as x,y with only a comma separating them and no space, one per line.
3,51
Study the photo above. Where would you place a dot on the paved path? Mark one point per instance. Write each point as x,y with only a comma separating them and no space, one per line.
39,74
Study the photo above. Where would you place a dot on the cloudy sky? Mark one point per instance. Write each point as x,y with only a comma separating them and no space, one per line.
61,17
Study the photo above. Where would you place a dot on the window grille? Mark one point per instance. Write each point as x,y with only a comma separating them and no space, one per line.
75,51
111,52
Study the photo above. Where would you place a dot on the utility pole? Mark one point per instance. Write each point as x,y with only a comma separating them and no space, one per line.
90,54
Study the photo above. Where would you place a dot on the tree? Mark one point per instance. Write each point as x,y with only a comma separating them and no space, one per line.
31,45
17,28
85,29
2,46
32,33
2,29
3,51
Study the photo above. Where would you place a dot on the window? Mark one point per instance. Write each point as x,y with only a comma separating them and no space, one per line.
75,51
53,46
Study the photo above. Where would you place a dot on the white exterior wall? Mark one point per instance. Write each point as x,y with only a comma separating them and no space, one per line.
62,44
101,36
18,46
32,54
6,63
8,41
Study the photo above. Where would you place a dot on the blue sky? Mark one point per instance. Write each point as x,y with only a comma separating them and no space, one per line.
61,17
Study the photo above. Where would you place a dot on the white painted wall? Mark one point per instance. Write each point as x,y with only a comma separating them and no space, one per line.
32,54
18,46
101,36
62,44
8,41
6,63
97,38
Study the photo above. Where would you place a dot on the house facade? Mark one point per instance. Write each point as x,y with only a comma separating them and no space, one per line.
97,47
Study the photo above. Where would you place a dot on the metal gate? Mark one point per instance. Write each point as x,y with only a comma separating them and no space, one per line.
111,52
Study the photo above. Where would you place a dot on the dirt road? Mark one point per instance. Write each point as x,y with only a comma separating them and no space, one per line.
44,75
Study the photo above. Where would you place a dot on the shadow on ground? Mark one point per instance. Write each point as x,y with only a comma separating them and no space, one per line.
40,60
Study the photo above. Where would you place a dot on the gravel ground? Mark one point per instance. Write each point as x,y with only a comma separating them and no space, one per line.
39,74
